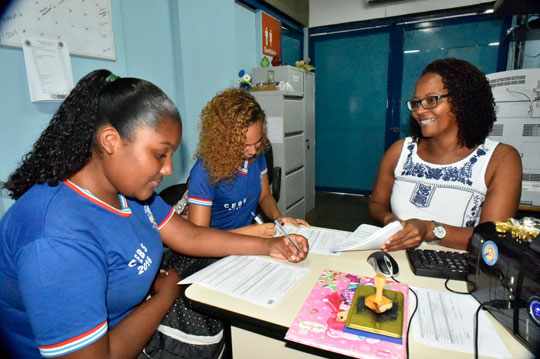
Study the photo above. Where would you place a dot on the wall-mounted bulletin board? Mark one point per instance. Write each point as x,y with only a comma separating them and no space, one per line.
86,26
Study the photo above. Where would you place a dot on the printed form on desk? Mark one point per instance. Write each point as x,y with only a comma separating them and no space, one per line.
446,320
260,280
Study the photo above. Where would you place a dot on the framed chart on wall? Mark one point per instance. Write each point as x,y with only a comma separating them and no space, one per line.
86,26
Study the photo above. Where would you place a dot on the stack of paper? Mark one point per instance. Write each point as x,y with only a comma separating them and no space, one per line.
260,280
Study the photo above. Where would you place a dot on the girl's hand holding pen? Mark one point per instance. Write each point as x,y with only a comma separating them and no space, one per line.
282,248
299,252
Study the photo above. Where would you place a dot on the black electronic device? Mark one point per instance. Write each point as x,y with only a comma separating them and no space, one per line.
438,264
383,263
504,275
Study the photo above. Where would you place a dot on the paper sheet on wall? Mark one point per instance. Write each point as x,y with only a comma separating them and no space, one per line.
446,320
48,69
259,280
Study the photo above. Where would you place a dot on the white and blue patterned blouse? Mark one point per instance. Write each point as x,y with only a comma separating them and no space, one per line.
452,193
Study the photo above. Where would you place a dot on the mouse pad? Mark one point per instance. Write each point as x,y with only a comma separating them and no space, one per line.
361,318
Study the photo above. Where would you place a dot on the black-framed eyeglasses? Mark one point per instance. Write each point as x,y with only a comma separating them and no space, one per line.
427,103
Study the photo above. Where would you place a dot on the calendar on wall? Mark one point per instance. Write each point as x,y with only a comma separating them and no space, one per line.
85,25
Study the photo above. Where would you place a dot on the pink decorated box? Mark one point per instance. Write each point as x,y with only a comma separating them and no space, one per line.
321,320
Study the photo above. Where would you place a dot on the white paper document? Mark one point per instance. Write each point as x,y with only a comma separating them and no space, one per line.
259,280
48,68
367,237
446,320
320,241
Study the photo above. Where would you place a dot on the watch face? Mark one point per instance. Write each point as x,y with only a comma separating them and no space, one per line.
439,232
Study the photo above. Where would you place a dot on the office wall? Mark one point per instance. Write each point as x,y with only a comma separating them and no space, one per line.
22,121
191,49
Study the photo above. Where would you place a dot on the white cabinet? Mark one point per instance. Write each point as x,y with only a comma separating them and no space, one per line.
291,129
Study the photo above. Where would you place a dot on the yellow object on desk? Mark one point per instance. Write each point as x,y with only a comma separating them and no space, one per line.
378,302
389,323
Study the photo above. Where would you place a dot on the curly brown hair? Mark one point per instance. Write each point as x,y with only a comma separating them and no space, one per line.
224,122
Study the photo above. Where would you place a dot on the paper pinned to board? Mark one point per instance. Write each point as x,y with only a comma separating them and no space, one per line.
368,237
48,68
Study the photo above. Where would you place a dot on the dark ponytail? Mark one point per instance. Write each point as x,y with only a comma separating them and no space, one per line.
66,145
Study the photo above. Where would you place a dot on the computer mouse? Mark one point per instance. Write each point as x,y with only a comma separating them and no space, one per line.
383,263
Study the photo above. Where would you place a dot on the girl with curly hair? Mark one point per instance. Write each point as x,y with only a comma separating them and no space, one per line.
229,178
81,247
447,177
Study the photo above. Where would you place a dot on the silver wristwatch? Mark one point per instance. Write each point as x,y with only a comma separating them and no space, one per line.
439,231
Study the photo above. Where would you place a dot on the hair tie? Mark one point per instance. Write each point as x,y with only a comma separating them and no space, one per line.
111,78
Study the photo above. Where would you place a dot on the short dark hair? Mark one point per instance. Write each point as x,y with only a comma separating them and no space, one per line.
66,145
470,97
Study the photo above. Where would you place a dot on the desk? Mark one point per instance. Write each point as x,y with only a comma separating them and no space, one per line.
529,208
276,321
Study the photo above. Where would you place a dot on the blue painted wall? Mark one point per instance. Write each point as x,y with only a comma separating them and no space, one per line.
291,49
191,49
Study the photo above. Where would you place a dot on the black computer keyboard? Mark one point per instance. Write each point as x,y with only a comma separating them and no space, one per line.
438,264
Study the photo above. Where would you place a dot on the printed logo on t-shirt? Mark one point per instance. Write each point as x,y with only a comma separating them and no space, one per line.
150,216
235,205
141,260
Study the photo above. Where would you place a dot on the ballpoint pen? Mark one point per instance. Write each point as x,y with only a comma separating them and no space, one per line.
257,218
280,228
283,233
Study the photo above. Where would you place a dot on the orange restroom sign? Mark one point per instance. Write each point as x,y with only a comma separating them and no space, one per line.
271,35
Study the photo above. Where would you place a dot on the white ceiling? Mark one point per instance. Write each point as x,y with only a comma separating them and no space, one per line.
331,12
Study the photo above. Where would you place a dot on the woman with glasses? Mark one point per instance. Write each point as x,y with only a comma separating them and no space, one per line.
447,177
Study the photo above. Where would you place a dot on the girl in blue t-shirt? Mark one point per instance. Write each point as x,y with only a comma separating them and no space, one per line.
230,177
81,246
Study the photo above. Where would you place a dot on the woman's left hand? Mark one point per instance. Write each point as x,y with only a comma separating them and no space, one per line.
281,248
295,221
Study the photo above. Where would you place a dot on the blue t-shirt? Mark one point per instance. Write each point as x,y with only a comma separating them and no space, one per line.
71,266
231,202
